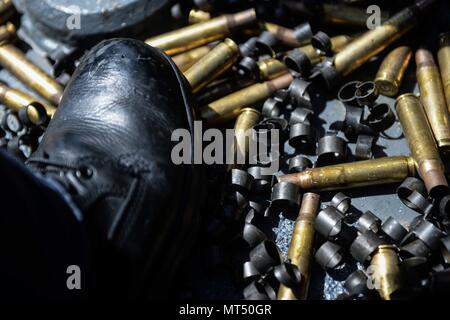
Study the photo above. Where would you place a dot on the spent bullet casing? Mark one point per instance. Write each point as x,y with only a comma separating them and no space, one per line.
433,99
16,100
313,55
187,59
444,64
7,32
392,70
197,16
271,68
355,174
385,271
212,65
372,42
346,15
245,121
285,35
15,61
339,42
301,247
421,143
219,89
198,34
229,107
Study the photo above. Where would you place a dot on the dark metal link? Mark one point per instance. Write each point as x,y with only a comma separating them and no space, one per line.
321,41
329,222
341,202
363,149
299,164
331,149
329,255
301,115
265,256
394,230
364,246
368,221
302,135
271,108
288,274
285,197
381,117
366,93
356,283
347,93
253,235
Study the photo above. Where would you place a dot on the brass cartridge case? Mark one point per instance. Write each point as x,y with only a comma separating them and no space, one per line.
390,74
271,68
346,15
186,60
339,42
18,64
16,99
229,107
7,32
224,87
301,247
284,35
245,121
314,56
355,174
372,42
214,64
198,34
444,64
421,143
385,271
433,99
197,16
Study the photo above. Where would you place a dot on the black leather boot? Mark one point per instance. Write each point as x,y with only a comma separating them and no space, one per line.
110,145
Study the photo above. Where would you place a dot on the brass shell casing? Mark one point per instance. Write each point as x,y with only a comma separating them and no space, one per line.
390,74
198,34
345,15
355,174
212,65
271,68
385,269
339,42
16,100
197,16
229,107
314,55
301,247
433,99
372,42
7,32
187,59
444,64
284,35
421,143
31,75
245,121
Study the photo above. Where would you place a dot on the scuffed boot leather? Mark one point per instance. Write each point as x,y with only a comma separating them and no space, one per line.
110,145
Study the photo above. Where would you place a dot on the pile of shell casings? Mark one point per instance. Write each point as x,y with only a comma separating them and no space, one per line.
247,72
